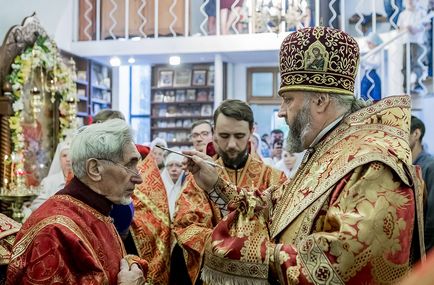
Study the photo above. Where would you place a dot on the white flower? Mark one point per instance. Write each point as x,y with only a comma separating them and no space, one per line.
18,105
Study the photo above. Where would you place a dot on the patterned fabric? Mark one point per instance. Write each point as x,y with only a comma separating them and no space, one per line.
151,223
8,229
347,217
319,59
197,215
66,242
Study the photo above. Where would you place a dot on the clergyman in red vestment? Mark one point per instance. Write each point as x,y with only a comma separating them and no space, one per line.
70,239
349,214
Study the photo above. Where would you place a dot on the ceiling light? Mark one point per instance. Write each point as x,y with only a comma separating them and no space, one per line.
174,60
131,60
115,61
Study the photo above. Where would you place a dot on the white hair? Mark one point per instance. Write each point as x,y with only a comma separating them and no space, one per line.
104,140
158,141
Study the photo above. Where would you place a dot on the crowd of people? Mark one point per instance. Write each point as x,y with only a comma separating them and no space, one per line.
339,200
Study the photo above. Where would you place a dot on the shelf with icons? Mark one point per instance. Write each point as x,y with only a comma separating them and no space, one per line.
180,96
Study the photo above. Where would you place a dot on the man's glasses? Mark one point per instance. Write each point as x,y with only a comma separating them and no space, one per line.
128,170
201,134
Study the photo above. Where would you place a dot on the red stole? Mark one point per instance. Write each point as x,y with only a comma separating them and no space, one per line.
151,223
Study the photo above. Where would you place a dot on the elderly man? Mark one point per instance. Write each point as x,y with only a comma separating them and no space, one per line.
201,135
70,239
196,213
348,215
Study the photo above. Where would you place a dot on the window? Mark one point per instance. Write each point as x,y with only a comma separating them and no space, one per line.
140,102
262,85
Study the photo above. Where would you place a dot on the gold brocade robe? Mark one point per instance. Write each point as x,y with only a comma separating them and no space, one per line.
347,217
8,230
196,214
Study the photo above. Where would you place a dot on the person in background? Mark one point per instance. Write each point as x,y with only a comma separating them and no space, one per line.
265,147
60,170
370,88
426,162
276,134
228,16
108,114
210,10
289,163
390,10
412,20
196,213
173,179
332,222
255,145
275,149
201,134
276,153
70,239
158,153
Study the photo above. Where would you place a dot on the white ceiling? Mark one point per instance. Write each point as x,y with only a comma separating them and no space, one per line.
232,48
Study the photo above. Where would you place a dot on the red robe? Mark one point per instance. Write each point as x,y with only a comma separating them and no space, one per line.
197,214
70,239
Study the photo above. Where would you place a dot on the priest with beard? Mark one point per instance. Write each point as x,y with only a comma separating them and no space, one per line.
197,213
353,212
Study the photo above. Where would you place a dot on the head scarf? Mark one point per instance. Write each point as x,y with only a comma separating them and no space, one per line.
172,189
55,163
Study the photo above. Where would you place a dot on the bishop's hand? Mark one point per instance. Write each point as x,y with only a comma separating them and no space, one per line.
204,174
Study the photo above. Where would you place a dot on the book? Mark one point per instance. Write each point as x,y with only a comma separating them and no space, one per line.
202,96
180,96
158,97
171,111
162,112
191,95
206,110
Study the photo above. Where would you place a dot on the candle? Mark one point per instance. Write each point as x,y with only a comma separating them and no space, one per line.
4,169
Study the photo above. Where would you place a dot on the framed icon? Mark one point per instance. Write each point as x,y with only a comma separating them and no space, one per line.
165,78
182,78
199,77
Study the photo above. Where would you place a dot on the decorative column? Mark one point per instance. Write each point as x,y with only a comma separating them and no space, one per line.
5,134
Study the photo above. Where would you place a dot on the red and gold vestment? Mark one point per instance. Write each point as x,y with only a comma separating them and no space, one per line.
197,214
70,239
151,223
347,217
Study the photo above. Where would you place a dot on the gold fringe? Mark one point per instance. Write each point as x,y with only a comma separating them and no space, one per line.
314,88
213,277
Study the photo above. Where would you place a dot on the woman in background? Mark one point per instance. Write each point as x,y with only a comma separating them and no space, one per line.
60,170
289,163
173,178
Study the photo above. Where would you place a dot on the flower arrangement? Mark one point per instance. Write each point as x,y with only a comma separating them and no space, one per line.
56,78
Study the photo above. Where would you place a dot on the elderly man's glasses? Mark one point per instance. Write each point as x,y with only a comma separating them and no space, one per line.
128,170
201,134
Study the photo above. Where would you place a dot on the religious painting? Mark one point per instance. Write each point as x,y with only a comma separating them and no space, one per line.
316,57
165,78
182,78
199,77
